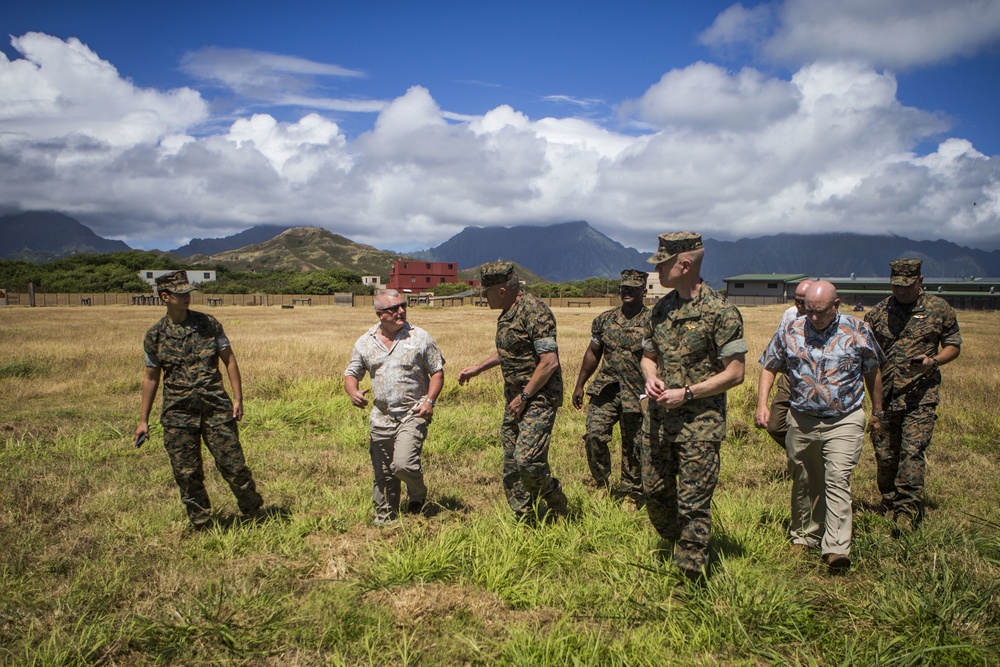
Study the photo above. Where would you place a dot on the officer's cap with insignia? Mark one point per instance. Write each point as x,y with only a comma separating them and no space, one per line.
175,282
904,272
497,273
675,243
634,278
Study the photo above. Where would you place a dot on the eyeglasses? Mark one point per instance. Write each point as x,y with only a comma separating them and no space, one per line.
816,312
392,309
800,302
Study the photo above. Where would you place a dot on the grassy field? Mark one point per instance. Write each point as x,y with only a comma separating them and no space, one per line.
99,568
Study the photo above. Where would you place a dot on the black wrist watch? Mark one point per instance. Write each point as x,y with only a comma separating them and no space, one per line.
525,396
688,394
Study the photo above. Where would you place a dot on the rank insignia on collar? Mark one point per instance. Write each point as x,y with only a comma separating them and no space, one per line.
691,325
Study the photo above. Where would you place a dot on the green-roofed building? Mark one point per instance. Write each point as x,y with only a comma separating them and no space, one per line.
966,293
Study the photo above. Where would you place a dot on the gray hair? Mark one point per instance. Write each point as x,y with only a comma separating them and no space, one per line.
382,296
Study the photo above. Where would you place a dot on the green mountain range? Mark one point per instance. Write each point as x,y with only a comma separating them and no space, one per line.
305,249
562,252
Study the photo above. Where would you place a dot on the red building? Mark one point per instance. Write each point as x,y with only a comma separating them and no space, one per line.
417,277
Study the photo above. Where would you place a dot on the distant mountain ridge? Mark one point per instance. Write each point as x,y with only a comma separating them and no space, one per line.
41,236
561,252
566,251
256,234
840,255
576,251
524,274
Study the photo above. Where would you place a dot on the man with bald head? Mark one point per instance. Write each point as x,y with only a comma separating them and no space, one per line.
777,424
831,359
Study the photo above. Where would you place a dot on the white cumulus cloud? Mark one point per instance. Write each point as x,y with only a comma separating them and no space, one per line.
62,89
705,96
883,33
728,153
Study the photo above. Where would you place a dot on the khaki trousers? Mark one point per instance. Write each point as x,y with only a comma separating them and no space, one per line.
822,453
395,453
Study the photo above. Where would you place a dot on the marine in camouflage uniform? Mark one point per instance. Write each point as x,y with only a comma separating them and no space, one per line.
918,333
616,343
693,352
185,347
528,358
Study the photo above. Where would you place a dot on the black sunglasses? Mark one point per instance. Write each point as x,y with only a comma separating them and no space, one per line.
392,309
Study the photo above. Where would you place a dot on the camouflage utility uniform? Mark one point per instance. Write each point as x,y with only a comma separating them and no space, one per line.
525,331
910,397
614,398
195,407
680,447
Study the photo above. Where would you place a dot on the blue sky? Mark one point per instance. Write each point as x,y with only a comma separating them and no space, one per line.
400,123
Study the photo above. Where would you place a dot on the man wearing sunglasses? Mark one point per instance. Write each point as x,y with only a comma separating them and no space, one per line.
832,360
407,372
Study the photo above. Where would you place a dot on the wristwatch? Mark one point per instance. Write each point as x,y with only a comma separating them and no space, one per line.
425,399
525,397
688,394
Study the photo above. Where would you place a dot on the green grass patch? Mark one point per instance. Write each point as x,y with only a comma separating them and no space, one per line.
24,369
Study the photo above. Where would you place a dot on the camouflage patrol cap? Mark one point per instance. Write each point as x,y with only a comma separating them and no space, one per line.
496,273
634,278
904,272
175,282
674,243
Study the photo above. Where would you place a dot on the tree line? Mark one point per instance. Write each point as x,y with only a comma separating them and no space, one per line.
119,272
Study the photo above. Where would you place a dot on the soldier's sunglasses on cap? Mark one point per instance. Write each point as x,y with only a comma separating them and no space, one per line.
392,309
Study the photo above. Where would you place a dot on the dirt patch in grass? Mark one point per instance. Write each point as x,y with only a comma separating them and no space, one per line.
412,605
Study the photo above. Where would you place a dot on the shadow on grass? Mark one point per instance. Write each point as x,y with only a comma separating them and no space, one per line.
450,502
266,514
722,545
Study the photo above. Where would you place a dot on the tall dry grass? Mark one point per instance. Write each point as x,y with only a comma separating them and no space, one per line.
99,568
